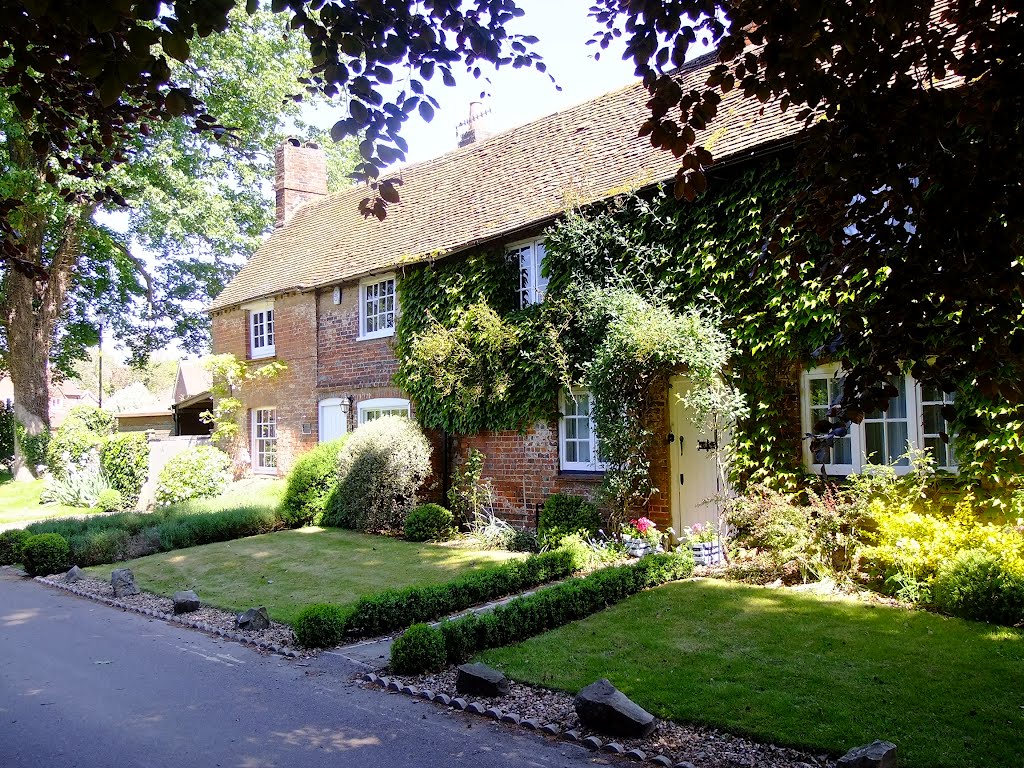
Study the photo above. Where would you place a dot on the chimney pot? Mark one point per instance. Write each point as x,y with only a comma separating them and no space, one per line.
476,125
301,176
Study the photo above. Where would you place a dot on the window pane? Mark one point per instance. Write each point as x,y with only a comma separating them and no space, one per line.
874,443
570,428
819,393
842,451
570,451
930,392
933,421
897,443
898,404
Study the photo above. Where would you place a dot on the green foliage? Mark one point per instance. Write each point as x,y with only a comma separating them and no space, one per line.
229,377
524,540
125,461
380,469
564,515
469,493
7,422
129,535
197,473
80,481
310,483
12,543
320,625
395,609
417,650
110,500
45,554
982,585
429,522
84,429
525,617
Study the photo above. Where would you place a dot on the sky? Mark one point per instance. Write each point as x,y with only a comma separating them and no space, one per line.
517,96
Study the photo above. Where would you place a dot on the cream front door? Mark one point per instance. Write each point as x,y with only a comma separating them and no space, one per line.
697,483
332,419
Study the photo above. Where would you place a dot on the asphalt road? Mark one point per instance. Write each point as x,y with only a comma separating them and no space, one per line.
82,684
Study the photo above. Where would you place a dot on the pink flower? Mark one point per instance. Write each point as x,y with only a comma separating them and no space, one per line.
642,525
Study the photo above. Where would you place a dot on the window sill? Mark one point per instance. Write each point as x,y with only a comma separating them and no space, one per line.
583,475
264,356
378,335
265,472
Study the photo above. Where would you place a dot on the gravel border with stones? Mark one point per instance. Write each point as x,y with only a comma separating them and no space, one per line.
553,714
278,639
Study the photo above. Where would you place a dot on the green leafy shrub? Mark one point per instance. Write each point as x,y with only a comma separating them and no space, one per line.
45,554
980,585
310,483
394,609
563,515
429,522
419,649
524,540
552,607
320,625
200,472
107,539
84,429
109,500
125,462
80,482
11,545
380,469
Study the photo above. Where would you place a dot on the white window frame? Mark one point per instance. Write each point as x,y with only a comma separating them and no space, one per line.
594,464
263,312
327,403
389,406
364,286
948,398
533,286
914,418
257,454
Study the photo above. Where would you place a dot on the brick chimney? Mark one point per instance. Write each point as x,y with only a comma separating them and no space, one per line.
475,128
301,176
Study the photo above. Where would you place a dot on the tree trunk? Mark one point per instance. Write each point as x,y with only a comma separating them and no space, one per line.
30,311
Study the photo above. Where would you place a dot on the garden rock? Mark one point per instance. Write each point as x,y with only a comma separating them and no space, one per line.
877,754
481,680
75,574
254,619
186,601
604,708
123,582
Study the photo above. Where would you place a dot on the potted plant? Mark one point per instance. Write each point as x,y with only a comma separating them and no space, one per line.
641,536
702,538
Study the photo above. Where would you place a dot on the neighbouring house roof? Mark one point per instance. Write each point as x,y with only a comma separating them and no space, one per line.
193,378
493,189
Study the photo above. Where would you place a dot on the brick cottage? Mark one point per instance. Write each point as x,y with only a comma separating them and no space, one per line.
321,294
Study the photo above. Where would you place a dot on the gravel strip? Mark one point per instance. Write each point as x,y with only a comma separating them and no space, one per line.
701,746
278,639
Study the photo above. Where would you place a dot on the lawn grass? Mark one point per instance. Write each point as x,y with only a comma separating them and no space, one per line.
288,570
19,502
799,669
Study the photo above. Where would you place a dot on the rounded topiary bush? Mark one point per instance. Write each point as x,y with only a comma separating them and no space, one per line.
417,650
380,469
83,429
564,515
198,473
11,545
321,625
429,522
45,554
310,483
980,585
110,500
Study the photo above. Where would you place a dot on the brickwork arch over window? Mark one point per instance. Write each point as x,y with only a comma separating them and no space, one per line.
913,419
383,406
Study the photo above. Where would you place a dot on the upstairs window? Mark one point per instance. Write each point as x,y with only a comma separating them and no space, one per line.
532,285
383,406
578,447
378,307
261,330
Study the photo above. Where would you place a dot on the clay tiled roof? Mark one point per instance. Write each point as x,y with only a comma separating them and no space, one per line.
492,189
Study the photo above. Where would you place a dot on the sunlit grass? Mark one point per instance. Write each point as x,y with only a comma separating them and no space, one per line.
802,669
19,502
288,570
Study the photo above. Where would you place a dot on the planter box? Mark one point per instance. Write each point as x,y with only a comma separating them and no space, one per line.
707,553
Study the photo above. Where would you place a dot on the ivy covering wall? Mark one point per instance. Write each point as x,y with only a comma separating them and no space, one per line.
473,362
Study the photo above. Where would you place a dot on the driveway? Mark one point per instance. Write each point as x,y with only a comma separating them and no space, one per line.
82,684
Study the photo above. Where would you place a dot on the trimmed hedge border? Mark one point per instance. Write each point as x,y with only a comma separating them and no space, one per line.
396,609
227,634
549,608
